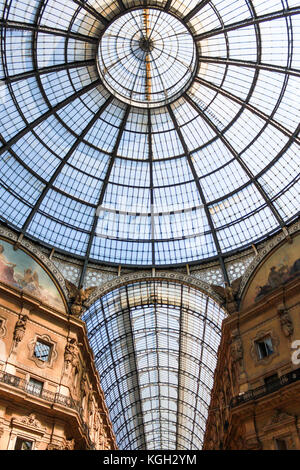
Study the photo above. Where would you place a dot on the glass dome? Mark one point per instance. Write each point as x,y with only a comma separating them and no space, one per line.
149,133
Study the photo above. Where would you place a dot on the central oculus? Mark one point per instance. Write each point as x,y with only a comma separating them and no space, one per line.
147,57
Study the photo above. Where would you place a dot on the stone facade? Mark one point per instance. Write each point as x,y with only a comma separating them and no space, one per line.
50,393
255,400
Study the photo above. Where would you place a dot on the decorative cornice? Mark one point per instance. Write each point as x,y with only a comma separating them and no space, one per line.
29,423
277,419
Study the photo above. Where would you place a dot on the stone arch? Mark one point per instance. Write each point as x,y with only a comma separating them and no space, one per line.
40,258
159,276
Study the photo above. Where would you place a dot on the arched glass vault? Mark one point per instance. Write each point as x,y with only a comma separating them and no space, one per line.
111,158
155,344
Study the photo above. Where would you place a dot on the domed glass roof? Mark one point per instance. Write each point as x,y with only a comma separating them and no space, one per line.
149,133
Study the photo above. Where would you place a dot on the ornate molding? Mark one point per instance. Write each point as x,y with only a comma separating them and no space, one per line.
38,362
254,352
277,419
3,329
29,423
39,256
148,276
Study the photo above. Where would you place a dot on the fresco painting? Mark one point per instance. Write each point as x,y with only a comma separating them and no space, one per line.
280,268
19,270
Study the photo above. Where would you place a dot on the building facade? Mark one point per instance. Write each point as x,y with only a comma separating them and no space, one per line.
255,400
50,393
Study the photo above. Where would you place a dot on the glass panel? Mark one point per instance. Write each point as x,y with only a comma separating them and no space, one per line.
149,135
155,344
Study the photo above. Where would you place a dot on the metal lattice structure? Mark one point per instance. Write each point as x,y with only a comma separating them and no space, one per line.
150,134
155,344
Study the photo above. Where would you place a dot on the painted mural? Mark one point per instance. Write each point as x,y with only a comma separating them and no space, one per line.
19,270
281,267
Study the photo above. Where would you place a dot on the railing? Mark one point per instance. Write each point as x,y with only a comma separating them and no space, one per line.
271,387
27,387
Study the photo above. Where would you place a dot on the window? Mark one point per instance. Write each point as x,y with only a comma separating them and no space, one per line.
23,444
264,347
35,387
42,351
281,444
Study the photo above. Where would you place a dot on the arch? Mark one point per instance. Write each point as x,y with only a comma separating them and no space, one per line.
278,246
147,275
155,341
41,262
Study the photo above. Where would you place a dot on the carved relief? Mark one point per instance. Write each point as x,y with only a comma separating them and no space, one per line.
236,348
29,423
66,444
285,321
3,329
278,417
20,329
71,355
39,362
31,420
229,294
78,297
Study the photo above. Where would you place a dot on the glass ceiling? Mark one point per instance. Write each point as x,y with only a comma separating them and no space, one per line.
155,345
149,133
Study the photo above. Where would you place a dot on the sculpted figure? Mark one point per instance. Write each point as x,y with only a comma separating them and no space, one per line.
20,328
83,382
236,349
72,352
285,321
229,294
78,297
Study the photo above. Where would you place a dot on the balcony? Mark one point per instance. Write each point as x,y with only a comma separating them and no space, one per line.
52,397
259,392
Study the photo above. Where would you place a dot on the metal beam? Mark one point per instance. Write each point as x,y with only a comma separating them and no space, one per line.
195,10
92,11
179,375
50,69
167,5
201,358
151,186
46,30
121,5
49,113
250,107
240,161
131,335
249,22
111,356
102,193
62,163
250,64
202,196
